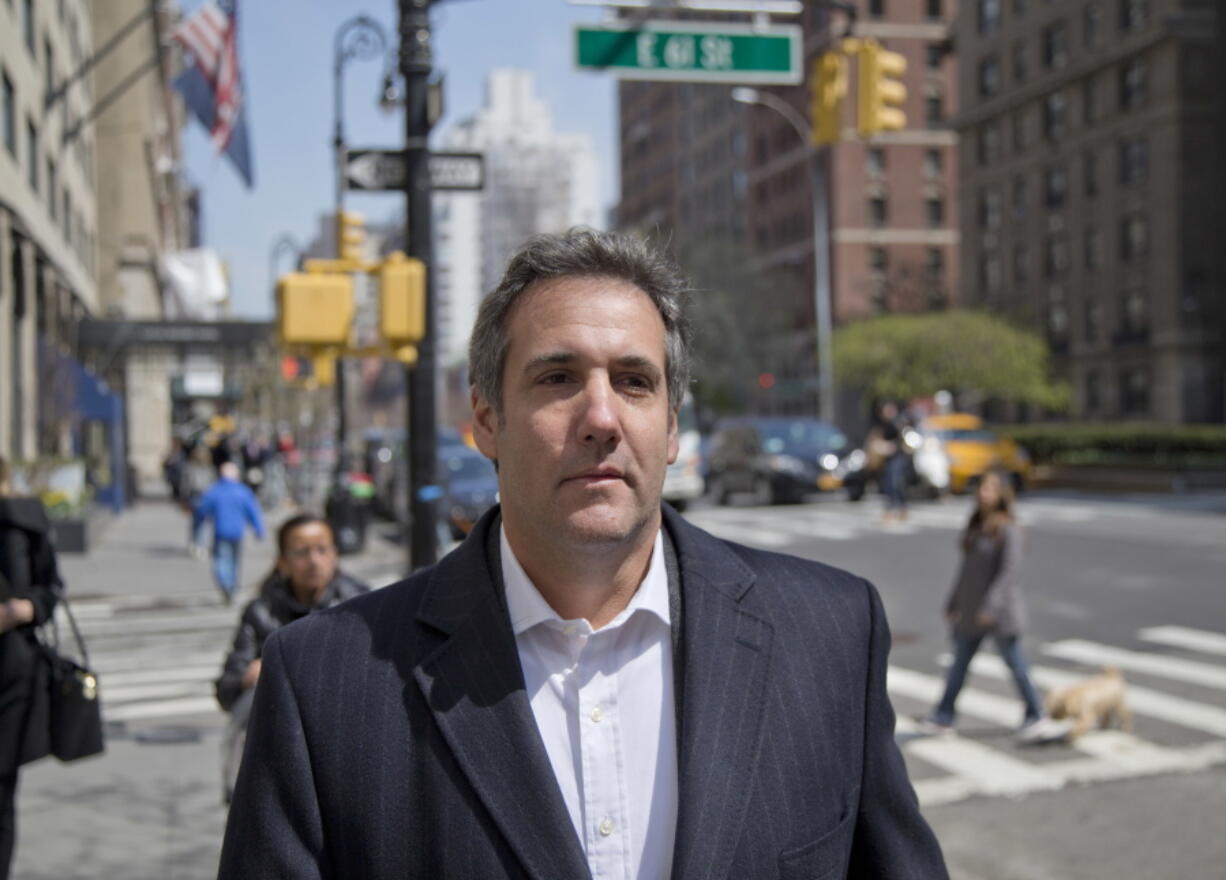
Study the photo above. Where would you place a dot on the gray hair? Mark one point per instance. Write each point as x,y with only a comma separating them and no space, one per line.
581,253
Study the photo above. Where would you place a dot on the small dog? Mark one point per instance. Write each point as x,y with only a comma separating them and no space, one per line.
1096,702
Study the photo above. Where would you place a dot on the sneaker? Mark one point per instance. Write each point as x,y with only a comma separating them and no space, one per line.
1040,730
931,726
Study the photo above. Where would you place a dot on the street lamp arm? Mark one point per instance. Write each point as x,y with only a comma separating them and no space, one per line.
787,111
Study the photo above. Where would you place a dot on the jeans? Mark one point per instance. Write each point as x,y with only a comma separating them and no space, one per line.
894,482
1010,649
225,565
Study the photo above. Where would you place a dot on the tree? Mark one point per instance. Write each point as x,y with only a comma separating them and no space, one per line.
906,356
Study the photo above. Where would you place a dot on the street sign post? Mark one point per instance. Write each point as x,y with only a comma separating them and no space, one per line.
378,170
695,52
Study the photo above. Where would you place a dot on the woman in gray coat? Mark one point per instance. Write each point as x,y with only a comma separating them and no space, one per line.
986,600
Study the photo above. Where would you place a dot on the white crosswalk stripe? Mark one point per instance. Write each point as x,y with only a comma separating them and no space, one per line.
1186,637
1094,654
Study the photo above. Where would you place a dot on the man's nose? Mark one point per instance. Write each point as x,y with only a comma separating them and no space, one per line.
599,421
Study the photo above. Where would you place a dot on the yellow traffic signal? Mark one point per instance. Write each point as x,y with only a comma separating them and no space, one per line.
325,369
350,235
314,309
402,299
882,91
827,86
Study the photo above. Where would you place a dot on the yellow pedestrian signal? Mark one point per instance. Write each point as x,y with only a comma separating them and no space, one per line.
402,299
325,369
350,236
827,86
881,90
314,309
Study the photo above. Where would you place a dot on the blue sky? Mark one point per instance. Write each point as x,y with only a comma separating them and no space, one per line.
286,52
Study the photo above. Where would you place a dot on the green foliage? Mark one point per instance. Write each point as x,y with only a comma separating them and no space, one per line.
905,356
1133,444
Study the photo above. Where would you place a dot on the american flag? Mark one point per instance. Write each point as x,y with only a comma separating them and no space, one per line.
210,36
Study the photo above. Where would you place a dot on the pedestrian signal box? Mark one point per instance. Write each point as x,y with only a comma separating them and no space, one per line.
881,89
324,368
402,299
827,86
314,309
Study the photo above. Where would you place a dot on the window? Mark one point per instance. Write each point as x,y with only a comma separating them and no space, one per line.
934,263
1134,82
1057,325
1134,160
32,153
989,77
878,260
876,8
1090,172
989,16
934,56
1094,248
48,67
1055,116
1055,256
1093,26
1019,62
875,162
1134,314
27,24
1134,238
1055,187
1092,100
935,208
1019,198
1018,125
934,111
1134,392
934,162
66,216
1021,264
1094,392
8,114
877,212
989,143
53,190
989,208
1055,45
932,8
1094,319
1133,14
989,271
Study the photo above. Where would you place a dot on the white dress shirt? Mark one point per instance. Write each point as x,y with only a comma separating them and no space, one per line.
603,701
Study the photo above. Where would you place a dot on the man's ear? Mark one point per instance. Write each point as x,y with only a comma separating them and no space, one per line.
674,442
485,426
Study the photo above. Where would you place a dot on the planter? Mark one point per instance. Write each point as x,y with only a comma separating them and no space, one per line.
70,535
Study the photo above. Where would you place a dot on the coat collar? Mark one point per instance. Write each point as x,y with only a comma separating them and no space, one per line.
475,689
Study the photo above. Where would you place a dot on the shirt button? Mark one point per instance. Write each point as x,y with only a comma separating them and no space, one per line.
596,715
605,827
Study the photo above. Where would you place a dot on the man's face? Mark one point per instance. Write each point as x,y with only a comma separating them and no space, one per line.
586,430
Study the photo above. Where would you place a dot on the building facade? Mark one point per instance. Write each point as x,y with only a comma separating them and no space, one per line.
48,220
1092,191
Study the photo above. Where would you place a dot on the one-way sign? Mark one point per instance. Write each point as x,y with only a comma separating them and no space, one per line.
373,170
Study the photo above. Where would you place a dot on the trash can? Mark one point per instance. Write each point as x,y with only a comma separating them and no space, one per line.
348,517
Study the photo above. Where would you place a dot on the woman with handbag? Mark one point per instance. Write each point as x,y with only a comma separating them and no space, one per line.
29,581
306,579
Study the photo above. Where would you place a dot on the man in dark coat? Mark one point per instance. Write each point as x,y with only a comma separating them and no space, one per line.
588,685
29,579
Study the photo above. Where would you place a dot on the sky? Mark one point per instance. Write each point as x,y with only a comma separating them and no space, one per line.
286,52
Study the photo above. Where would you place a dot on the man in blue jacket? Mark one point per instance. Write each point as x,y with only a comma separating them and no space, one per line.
231,506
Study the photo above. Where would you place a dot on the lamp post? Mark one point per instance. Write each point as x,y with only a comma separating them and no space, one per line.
361,38
282,244
821,242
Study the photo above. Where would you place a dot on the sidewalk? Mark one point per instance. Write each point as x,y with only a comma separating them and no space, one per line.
150,807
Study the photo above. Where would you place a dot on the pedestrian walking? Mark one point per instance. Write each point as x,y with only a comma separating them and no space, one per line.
232,507
986,600
891,449
305,579
29,581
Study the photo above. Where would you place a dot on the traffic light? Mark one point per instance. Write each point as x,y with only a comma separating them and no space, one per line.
324,367
350,236
827,86
314,309
295,367
402,299
882,91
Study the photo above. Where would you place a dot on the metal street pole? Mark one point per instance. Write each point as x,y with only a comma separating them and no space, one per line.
284,243
821,244
360,37
416,62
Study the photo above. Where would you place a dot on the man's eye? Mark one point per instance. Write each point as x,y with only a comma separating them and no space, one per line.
641,382
553,378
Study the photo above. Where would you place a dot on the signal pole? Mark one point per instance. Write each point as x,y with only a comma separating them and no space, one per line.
416,63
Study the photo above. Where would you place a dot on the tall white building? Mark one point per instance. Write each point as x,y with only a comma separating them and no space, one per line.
536,180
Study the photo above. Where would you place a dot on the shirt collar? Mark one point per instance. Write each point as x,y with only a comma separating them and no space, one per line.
527,607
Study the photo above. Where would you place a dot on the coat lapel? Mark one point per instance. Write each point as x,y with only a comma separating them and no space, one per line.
725,655
475,689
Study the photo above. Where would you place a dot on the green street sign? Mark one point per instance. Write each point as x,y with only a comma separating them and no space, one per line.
675,50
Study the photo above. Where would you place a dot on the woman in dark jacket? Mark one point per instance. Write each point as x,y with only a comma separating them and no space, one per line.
306,579
986,600
29,580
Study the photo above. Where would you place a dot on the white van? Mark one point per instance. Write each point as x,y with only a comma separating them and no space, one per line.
683,479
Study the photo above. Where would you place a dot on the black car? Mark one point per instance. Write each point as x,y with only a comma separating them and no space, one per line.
470,487
778,459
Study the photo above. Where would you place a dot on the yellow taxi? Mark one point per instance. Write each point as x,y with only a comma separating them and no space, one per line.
974,450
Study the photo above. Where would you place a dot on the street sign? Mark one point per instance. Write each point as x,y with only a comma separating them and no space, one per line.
378,170
695,52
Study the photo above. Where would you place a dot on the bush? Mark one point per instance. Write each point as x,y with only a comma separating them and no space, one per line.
1126,444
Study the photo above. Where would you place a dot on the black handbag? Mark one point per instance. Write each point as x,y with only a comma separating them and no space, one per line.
75,710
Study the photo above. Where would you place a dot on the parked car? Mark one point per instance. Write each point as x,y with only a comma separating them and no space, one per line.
974,450
470,487
683,481
777,459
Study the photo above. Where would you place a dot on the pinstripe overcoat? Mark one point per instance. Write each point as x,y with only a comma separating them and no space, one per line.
392,736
